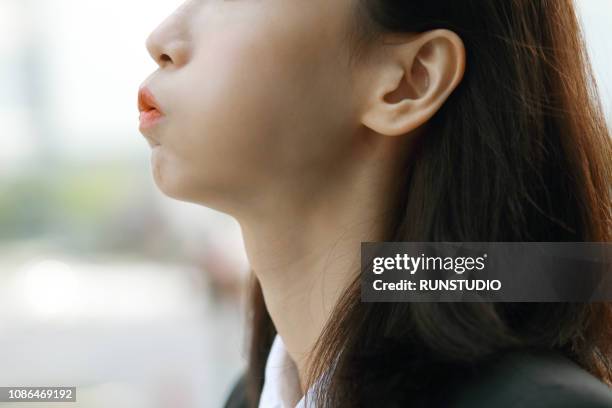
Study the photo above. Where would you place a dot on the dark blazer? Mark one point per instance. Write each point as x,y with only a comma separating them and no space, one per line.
517,380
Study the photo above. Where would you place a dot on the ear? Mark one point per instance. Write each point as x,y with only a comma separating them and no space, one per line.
411,80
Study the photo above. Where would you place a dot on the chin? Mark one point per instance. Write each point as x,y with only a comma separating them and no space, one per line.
168,185
177,189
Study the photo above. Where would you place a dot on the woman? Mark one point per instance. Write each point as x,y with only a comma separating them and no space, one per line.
319,125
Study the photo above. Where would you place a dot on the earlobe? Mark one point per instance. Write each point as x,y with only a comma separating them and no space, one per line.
413,82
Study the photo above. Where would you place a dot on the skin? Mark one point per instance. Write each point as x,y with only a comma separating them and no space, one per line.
266,120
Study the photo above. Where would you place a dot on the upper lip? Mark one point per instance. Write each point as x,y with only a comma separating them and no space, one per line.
146,100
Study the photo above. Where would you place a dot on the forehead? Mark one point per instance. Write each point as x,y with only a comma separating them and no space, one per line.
322,13
306,25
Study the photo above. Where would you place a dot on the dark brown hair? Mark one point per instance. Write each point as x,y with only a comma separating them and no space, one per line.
519,152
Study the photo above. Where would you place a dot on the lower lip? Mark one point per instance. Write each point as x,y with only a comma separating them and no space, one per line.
150,118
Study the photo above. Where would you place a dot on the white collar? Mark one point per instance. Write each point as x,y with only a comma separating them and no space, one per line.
281,387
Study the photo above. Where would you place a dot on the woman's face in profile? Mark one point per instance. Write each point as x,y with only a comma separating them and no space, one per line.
256,96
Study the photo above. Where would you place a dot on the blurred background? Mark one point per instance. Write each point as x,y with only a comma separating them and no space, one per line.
105,284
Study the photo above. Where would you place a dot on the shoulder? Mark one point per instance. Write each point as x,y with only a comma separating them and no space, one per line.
517,380
529,379
237,397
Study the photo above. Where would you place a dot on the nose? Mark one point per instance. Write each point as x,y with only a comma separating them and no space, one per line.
168,44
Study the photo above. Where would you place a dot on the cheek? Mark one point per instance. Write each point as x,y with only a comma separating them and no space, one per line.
225,126
250,112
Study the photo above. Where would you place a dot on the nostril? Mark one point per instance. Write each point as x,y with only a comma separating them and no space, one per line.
165,58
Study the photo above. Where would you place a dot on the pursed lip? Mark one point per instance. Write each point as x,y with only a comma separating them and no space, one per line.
150,111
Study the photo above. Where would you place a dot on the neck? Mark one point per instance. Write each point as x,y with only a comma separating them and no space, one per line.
307,252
